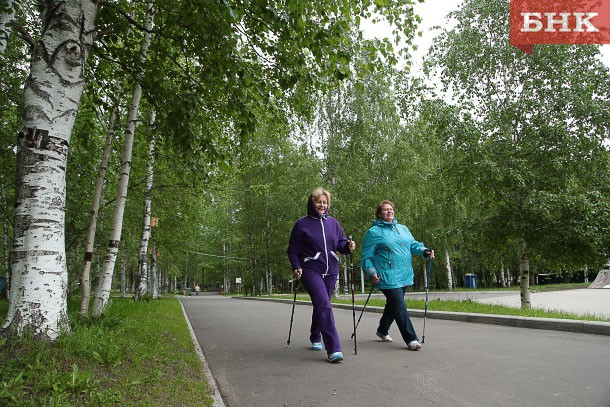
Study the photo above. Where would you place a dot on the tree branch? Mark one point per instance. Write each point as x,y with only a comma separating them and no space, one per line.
23,34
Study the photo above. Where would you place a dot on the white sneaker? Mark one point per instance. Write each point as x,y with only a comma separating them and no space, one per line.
384,338
414,345
335,357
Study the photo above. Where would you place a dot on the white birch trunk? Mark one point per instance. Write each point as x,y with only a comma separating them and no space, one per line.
502,276
5,256
449,271
102,292
123,273
524,270
97,196
270,282
586,275
38,296
7,275
143,253
154,292
5,19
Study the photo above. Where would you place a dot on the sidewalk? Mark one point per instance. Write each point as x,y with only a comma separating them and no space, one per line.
584,301
461,364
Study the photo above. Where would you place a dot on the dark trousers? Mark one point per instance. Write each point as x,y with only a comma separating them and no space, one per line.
396,310
320,290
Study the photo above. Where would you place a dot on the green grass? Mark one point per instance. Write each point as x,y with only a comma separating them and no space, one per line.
137,354
469,306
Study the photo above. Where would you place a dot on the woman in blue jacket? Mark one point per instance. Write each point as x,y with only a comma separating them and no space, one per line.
315,241
386,259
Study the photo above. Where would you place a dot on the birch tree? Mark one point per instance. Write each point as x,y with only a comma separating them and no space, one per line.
143,271
97,196
38,292
102,292
449,271
154,283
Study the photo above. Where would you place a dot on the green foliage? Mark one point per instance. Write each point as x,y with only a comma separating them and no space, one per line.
149,341
72,383
213,68
526,139
12,389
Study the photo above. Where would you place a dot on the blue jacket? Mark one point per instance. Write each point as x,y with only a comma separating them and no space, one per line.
315,242
387,250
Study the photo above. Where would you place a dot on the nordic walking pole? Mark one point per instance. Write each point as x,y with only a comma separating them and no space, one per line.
294,301
362,312
423,336
351,265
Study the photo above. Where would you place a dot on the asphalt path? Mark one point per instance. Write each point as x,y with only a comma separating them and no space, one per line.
461,364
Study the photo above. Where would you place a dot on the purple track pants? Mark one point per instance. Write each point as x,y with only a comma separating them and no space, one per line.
320,290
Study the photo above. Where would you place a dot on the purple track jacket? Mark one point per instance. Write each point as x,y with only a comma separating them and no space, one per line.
315,241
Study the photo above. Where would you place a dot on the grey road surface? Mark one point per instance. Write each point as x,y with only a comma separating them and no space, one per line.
461,364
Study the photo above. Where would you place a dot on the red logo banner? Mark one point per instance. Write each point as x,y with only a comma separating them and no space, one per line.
559,22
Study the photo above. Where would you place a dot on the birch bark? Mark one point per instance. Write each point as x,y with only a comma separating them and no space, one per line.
154,286
5,251
123,274
38,296
102,291
524,270
502,275
97,195
5,19
146,225
449,271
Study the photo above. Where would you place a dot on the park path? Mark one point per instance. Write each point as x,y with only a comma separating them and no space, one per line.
461,364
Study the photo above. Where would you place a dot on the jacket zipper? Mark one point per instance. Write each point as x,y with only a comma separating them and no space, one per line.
325,248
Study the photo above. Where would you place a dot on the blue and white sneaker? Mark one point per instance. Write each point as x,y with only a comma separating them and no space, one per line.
316,346
335,357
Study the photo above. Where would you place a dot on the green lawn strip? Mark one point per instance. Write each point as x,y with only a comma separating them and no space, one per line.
470,306
138,353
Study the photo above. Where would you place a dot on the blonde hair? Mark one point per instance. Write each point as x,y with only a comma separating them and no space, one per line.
384,202
318,192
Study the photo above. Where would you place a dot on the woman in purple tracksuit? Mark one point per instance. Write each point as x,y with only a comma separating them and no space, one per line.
315,241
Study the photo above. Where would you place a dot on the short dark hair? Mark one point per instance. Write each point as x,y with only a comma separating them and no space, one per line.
384,202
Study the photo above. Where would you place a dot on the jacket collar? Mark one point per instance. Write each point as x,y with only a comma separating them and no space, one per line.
383,223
